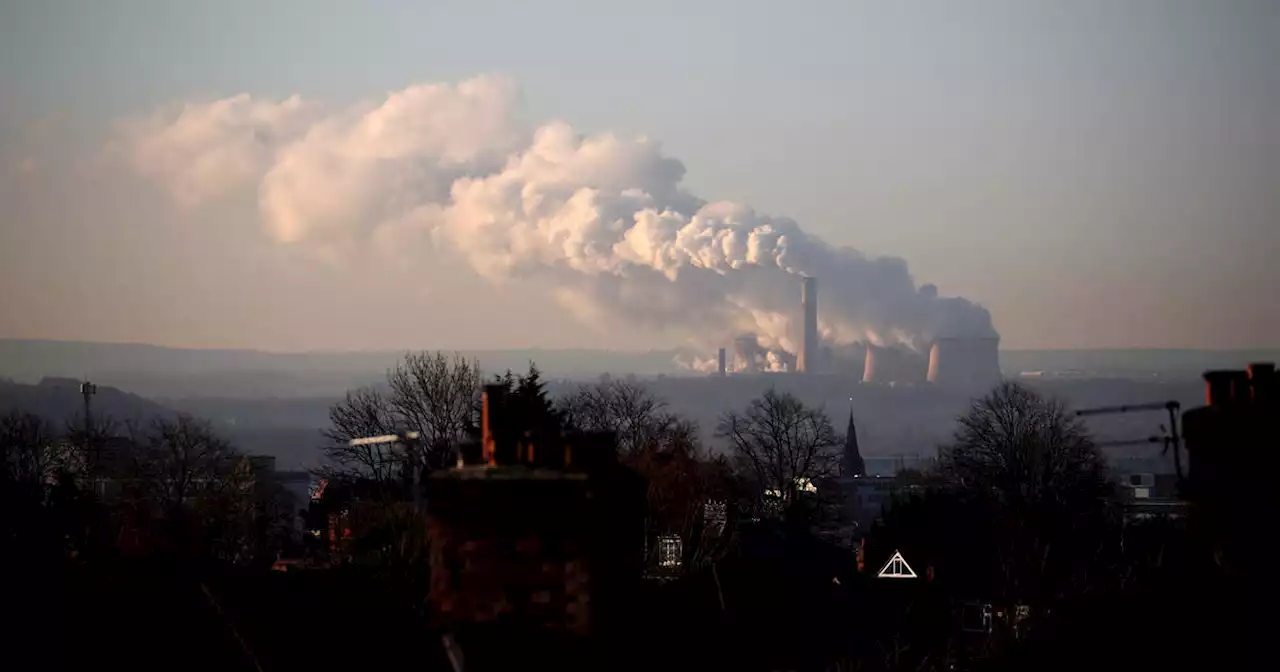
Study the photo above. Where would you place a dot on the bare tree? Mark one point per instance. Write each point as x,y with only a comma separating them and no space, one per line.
91,447
665,449
629,410
180,459
436,395
781,442
681,482
1024,450
1043,482
27,451
364,412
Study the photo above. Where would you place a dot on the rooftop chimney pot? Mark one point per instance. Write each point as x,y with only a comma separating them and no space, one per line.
490,422
1217,388
1262,380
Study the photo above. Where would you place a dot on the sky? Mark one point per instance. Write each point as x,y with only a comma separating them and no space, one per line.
323,175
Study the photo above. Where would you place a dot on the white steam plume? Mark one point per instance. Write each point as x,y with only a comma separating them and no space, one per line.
603,217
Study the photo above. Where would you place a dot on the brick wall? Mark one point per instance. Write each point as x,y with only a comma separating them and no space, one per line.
555,542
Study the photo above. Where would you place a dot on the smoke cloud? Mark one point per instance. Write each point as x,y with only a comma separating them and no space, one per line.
603,218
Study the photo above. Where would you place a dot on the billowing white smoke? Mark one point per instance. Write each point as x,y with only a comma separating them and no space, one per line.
602,217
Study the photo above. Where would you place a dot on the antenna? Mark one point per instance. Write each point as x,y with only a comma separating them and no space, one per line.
1169,436
87,390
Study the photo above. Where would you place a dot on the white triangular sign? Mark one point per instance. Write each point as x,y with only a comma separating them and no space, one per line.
897,568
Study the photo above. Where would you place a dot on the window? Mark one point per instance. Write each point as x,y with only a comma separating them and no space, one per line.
670,551
714,516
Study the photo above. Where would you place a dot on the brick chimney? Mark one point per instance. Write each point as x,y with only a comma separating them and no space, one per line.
542,536
1233,448
1262,381
1217,387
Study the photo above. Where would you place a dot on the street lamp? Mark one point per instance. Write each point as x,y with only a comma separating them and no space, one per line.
410,441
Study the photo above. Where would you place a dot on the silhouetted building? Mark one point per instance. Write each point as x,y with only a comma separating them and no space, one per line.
539,540
1151,495
1233,448
851,462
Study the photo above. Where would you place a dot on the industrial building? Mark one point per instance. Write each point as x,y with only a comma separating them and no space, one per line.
955,362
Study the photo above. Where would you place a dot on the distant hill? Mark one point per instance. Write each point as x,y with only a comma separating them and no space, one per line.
1130,362
287,429
165,373
281,407
59,400
173,372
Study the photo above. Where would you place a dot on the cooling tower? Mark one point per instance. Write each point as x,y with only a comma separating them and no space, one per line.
809,344
871,369
887,365
971,362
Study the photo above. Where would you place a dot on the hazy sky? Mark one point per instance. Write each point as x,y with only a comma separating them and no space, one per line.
1095,173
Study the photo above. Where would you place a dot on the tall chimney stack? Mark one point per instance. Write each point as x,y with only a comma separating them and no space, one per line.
808,360
720,362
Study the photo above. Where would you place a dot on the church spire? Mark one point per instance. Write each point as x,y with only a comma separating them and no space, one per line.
852,464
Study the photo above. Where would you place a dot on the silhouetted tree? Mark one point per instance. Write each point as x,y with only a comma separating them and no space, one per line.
248,516
780,443
93,442
436,395
665,449
628,409
25,467
1025,451
527,406
27,448
681,480
179,459
363,412
1023,491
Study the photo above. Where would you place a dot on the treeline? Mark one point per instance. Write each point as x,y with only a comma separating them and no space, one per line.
439,397
98,490
1019,519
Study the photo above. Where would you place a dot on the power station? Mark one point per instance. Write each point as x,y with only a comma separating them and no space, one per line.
964,361
950,361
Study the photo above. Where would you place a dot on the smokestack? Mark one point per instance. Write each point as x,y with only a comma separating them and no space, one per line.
964,361
720,362
808,360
